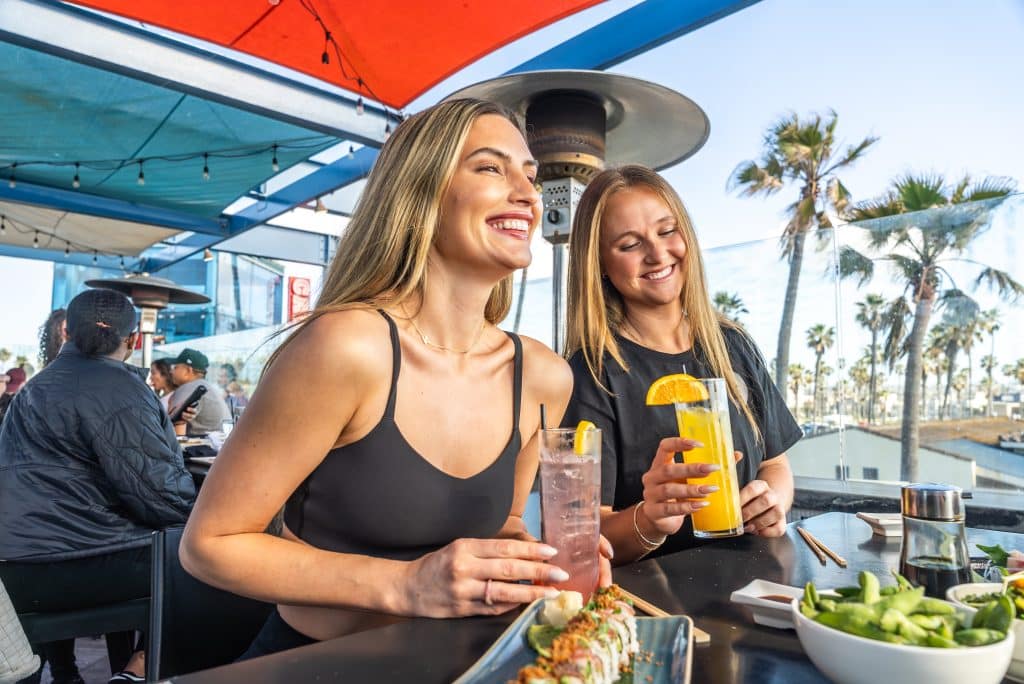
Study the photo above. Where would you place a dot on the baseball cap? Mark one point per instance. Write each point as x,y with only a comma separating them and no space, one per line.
193,358
100,306
17,379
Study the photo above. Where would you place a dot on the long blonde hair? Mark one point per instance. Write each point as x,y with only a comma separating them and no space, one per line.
597,311
382,255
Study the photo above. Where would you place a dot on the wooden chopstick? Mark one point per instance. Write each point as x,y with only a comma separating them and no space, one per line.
839,560
812,544
699,635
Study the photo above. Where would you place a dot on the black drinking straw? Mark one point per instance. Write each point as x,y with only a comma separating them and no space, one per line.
543,420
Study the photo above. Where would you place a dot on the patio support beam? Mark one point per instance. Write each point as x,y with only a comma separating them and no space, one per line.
78,202
636,30
118,47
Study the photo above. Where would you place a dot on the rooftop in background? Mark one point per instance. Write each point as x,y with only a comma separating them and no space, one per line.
984,431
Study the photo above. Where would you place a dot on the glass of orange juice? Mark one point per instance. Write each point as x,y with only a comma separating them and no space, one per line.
705,418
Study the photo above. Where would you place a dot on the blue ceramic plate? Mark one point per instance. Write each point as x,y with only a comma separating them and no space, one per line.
669,640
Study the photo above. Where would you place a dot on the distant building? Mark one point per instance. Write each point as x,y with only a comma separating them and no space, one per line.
868,455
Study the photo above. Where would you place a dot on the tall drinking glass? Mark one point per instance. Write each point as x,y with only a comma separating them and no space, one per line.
570,491
706,419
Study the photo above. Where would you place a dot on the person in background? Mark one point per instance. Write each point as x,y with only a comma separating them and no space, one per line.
12,381
89,467
397,425
52,334
638,308
188,371
160,379
237,398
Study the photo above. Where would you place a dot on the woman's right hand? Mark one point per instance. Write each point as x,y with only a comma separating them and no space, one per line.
479,577
667,498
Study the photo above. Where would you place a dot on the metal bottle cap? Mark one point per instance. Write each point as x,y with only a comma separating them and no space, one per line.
931,501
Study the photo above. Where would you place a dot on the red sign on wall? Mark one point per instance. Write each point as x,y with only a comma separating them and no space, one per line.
298,297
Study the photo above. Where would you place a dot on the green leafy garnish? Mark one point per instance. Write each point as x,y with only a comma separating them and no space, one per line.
997,553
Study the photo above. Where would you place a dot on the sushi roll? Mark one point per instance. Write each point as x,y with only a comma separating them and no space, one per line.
595,647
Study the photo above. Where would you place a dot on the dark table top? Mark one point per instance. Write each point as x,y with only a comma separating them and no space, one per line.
697,582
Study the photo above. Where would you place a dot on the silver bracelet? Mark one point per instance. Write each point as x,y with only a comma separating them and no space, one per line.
647,544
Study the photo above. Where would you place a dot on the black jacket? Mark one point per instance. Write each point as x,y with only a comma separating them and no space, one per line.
88,461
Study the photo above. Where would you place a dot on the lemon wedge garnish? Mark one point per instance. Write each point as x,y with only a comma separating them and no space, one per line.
586,432
678,388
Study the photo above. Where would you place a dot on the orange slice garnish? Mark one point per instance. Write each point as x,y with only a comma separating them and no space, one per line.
678,388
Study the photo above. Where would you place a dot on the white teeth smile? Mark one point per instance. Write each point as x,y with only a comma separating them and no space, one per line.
658,275
518,225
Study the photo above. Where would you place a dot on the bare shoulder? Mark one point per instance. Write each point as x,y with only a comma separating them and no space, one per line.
544,372
353,343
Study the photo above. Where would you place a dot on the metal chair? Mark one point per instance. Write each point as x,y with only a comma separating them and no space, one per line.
194,626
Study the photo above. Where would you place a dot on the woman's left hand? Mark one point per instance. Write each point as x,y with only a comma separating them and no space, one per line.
763,513
604,559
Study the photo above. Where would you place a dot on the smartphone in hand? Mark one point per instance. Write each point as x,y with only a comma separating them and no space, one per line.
190,402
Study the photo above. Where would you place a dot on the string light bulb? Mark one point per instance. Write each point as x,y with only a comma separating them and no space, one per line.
94,257
3,225
351,151
35,241
122,262
273,162
67,249
360,107
206,166
141,180
11,181
76,182
387,130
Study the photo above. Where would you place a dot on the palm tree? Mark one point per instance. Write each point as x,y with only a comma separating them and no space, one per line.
875,316
959,382
801,153
990,324
730,305
988,364
918,243
1015,371
820,339
5,354
862,381
796,379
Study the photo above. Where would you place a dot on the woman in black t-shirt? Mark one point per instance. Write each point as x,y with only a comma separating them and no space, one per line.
639,309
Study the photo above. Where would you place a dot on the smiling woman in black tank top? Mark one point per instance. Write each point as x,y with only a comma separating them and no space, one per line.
402,446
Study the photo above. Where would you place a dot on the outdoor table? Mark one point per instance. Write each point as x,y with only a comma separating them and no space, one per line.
695,582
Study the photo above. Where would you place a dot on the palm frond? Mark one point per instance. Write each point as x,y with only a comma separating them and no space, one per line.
1001,281
853,153
960,190
753,178
853,264
838,196
991,188
888,205
921,192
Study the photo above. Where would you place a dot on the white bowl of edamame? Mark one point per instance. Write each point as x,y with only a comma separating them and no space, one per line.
847,658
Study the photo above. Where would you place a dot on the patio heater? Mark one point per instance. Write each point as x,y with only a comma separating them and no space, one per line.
578,121
149,294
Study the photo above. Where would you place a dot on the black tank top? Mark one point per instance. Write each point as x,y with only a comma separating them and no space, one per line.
379,497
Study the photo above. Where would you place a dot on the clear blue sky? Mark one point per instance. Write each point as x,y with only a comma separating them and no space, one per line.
939,82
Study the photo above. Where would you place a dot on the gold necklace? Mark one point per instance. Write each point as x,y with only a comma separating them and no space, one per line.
426,340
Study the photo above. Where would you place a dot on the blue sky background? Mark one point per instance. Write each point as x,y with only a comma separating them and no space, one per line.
939,82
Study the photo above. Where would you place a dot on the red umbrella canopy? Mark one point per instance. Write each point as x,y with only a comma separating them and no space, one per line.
389,51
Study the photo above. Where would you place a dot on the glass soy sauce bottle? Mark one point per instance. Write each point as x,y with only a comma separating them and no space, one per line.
934,552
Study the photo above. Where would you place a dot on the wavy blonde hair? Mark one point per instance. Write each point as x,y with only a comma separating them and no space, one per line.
382,255
597,311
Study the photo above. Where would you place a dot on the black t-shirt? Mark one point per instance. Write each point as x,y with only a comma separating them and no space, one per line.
631,430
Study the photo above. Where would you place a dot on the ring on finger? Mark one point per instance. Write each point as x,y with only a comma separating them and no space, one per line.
488,601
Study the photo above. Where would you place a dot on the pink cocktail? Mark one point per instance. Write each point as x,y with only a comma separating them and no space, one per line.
570,488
